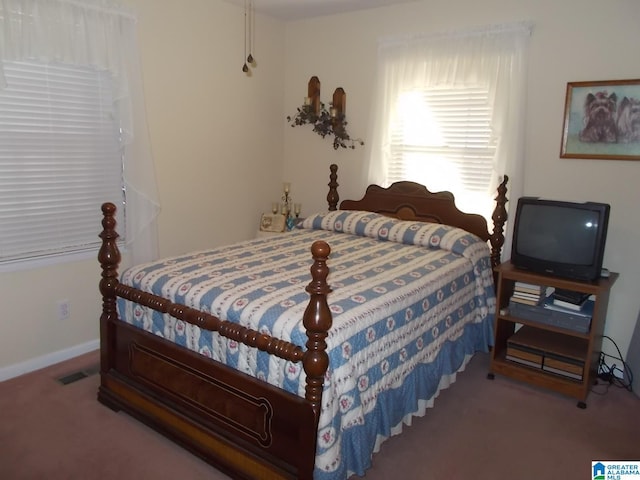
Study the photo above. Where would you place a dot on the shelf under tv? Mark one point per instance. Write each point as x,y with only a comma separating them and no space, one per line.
587,346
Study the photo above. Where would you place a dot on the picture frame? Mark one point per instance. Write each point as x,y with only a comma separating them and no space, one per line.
602,120
272,222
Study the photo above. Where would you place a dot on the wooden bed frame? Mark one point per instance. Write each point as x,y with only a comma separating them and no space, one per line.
245,427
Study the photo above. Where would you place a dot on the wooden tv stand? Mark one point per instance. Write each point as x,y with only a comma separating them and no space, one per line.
588,345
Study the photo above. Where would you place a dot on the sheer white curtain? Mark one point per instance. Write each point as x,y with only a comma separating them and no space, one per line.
492,58
100,34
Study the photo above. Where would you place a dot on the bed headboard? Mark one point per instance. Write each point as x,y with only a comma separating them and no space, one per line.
412,201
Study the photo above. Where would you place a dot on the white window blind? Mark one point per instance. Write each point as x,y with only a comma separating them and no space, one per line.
439,135
60,159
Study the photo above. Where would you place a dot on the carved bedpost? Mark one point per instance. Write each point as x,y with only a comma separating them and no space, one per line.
499,218
317,321
109,258
332,197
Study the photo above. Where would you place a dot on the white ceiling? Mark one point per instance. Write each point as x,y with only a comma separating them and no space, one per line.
298,9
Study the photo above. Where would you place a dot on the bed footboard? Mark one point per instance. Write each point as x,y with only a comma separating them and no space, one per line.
245,427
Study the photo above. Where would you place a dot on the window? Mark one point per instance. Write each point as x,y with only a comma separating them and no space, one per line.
449,112
60,158
73,131
441,137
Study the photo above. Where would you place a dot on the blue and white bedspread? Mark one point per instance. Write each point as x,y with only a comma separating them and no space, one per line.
411,302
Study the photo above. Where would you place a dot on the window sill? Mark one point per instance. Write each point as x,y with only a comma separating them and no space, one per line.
50,260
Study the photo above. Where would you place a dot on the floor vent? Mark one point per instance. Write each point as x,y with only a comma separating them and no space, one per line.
75,376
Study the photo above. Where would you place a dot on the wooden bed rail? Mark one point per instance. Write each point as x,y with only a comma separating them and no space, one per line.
316,319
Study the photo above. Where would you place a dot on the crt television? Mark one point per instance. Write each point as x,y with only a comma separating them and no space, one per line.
560,238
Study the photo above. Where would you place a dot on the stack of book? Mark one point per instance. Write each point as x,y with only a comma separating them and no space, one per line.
528,293
569,299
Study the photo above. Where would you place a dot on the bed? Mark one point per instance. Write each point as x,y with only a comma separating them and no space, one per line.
270,362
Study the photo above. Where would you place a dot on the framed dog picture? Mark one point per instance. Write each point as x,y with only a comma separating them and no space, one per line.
602,120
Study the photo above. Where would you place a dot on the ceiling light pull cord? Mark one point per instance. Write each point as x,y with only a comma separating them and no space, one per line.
252,17
245,68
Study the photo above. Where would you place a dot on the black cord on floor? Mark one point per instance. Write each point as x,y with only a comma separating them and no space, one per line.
614,375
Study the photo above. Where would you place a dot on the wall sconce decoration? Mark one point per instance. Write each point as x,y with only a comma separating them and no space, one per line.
313,95
325,122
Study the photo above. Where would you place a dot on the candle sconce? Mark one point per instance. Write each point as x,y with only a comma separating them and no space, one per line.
325,122
313,94
289,210
337,110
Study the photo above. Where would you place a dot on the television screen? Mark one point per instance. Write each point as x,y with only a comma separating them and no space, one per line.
561,238
558,234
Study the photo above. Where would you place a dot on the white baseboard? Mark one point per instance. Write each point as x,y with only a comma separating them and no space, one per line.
47,360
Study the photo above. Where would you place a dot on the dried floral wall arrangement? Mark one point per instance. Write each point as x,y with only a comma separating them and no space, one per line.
325,122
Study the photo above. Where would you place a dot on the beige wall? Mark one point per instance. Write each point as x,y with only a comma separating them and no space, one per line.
216,133
221,143
571,41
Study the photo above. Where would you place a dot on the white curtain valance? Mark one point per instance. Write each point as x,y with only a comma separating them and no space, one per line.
88,32
484,31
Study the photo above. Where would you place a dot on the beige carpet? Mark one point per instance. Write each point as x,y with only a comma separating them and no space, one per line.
479,429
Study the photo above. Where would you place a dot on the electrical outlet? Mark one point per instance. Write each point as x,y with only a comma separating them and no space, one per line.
64,309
